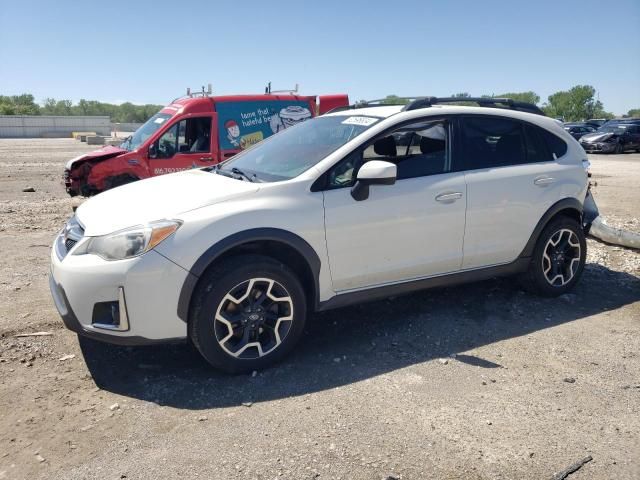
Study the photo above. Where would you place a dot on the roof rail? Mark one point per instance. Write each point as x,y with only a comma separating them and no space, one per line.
380,102
508,103
413,103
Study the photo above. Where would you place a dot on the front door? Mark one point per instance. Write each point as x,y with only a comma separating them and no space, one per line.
185,144
409,230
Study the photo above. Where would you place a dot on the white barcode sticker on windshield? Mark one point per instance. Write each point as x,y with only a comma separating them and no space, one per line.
158,120
364,121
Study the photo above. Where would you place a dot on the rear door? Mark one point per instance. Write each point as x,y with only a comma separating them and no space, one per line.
512,179
185,144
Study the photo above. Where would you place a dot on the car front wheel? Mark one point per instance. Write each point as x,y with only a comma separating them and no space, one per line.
558,259
248,312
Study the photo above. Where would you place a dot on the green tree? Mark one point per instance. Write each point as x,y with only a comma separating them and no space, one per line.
394,100
634,112
18,105
577,103
528,97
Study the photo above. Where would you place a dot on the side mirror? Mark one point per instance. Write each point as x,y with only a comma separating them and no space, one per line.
375,172
153,151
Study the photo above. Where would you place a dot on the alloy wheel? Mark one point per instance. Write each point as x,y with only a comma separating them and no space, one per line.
561,257
253,318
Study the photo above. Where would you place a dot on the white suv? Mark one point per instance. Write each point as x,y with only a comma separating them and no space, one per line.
352,206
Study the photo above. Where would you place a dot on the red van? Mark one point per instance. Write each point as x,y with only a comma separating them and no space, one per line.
192,132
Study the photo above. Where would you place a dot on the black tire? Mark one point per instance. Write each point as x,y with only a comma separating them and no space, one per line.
535,279
234,275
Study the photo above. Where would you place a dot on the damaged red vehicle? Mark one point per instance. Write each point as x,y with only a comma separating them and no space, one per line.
192,132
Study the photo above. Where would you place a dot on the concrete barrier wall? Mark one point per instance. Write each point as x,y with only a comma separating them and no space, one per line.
38,126
125,127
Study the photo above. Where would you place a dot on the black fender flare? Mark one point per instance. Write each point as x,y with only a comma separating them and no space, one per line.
564,204
246,236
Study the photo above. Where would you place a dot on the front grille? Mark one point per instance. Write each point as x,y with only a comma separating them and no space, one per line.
71,234
69,243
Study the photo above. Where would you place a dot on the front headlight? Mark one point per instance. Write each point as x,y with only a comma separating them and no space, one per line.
130,242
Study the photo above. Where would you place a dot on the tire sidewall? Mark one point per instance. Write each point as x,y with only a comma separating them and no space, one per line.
212,290
541,283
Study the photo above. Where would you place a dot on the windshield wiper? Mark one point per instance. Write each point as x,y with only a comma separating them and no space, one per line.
126,140
237,171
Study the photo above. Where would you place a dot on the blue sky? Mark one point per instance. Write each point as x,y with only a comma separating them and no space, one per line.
150,51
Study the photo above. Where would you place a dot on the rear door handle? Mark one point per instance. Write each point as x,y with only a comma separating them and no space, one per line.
448,197
544,181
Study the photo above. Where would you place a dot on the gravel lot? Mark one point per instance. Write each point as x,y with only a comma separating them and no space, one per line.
479,381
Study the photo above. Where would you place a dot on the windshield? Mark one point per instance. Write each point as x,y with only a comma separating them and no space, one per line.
612,129
296,149
145,131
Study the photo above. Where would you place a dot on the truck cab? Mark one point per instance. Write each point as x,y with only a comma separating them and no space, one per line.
192,132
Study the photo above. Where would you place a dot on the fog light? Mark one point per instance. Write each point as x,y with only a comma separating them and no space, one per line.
111,315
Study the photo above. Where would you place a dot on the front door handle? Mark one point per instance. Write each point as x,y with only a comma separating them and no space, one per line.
205,159
449,197
544,181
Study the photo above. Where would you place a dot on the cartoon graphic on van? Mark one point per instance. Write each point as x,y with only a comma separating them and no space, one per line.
289,116
233,132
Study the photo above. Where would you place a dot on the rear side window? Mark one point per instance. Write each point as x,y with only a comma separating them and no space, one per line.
555,144
537,148
490,142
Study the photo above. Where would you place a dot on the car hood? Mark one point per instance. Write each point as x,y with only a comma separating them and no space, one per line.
157,198
596,137
101,154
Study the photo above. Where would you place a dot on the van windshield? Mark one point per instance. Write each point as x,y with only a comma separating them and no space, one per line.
287,154
145,131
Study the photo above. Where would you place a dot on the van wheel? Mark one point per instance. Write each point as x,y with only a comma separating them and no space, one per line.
558,258
247,313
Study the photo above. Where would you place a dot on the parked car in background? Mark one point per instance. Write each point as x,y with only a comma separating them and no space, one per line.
577,130
596,122
331,212
193,131
613,137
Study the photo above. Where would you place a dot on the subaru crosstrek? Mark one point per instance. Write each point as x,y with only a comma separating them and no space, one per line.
355,205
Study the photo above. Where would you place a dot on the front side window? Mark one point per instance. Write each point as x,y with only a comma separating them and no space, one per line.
194,135
490,142
418,150
166,146
294,150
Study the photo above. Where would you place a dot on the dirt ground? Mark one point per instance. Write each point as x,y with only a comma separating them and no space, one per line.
480,381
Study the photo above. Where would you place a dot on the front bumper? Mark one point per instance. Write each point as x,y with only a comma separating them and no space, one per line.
151,284
598,147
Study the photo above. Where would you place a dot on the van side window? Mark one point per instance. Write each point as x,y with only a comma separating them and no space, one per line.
194,135
491,142
166,144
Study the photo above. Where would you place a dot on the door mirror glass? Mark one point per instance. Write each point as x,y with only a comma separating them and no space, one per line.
153,151
375,172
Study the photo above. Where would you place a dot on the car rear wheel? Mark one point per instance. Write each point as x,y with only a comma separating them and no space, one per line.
248,312
558,259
